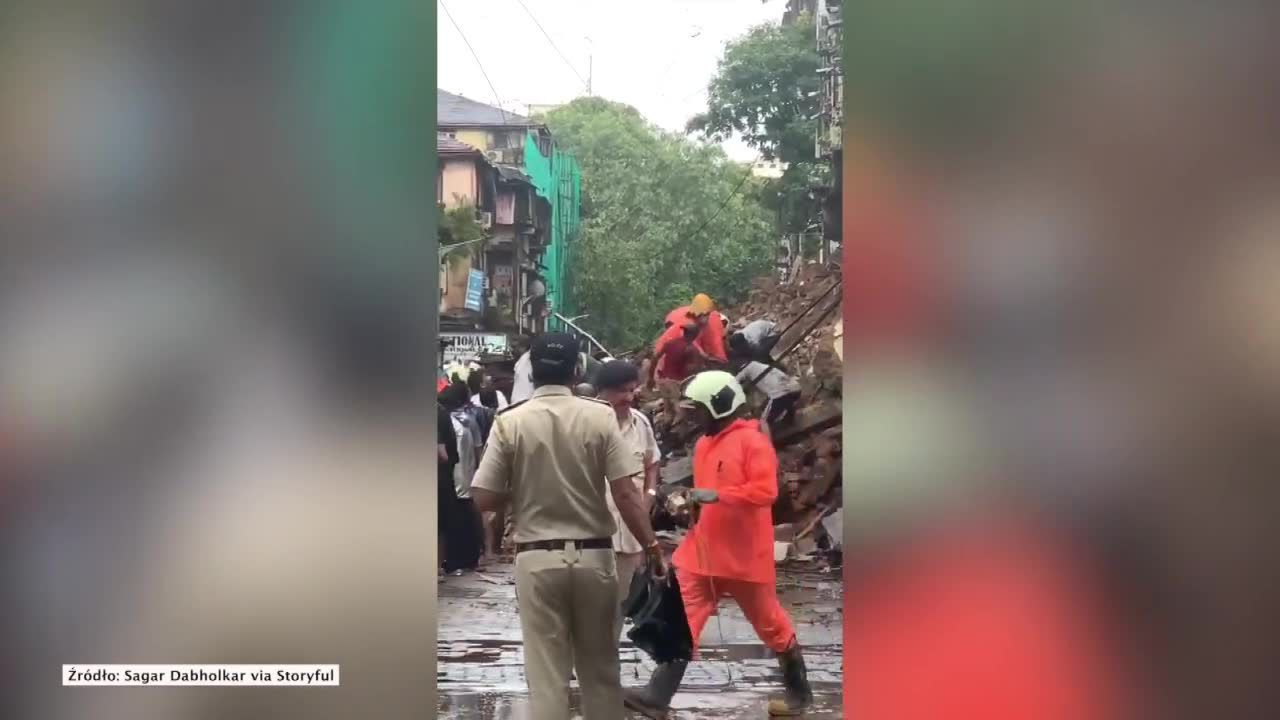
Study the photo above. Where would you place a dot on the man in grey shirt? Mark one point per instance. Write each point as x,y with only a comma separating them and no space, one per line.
755,340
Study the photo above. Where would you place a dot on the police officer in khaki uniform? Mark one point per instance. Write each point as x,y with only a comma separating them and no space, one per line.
554,457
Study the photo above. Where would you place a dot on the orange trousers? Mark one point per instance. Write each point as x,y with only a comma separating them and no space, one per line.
759,602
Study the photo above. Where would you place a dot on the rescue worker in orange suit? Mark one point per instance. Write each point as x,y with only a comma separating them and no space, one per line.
676,354
729,550
711,325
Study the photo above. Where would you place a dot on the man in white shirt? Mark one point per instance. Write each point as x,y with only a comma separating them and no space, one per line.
617,383
782,390
522,387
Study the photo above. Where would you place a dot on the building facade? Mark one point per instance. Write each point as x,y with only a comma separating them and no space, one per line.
536,212
829,22
465,179
530,211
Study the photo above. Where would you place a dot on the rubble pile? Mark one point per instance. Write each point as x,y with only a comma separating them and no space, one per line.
807,512
815,361
807,515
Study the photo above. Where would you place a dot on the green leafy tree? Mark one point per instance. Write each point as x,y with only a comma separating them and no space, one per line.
663,218
459,227
765,92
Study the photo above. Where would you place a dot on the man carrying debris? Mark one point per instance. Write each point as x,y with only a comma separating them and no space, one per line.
618,381
675,354
729,549
711,325
782,390
554,457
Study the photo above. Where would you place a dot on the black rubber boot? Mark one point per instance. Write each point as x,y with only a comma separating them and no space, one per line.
797,695
654,701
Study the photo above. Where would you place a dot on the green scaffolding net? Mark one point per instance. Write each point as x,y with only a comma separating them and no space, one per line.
556,178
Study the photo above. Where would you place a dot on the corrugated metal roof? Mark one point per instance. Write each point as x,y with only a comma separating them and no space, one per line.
446,144
455,111
513,174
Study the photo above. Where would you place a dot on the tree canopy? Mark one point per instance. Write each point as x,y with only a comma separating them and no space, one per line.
765,92
664,218
459,227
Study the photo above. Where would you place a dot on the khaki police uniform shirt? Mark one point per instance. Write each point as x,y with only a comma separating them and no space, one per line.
644,445
554,455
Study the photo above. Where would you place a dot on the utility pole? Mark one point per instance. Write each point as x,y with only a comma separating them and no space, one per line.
590,48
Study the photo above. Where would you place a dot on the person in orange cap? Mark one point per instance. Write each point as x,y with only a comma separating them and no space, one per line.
711,325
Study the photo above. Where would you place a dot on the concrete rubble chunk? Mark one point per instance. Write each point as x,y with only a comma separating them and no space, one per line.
805,546
781,551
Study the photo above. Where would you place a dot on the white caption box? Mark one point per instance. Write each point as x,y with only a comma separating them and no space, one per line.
200,675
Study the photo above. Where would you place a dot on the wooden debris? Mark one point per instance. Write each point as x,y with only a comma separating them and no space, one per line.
808,422
813,523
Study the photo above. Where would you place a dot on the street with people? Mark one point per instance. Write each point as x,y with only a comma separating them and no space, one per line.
576,471
638,379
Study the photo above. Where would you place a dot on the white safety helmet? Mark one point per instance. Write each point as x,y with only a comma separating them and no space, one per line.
717,391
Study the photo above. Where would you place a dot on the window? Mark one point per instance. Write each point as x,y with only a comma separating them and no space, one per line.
503,140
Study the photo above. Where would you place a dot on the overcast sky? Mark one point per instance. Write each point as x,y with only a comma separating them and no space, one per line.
656,55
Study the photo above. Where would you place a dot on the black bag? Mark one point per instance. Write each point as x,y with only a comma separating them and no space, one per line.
659,624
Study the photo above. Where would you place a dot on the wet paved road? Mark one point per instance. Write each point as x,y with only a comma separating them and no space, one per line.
481,666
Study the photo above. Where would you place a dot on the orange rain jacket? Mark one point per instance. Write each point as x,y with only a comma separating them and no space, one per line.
678,316
711,339
675,364
733,538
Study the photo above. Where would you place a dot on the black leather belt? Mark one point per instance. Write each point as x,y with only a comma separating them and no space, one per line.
589,544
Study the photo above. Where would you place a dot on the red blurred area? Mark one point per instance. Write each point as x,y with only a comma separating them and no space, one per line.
989,619
889,291
1066,506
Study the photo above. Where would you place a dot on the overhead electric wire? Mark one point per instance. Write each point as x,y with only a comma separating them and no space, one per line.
477,59
658,159
723,205
553,43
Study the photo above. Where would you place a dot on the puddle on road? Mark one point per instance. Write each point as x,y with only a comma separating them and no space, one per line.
490,652
757,651
687,706
482,675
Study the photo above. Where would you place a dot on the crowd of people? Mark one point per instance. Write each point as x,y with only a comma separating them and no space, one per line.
569,467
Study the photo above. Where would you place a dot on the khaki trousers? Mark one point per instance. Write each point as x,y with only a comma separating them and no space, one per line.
568,605
628,564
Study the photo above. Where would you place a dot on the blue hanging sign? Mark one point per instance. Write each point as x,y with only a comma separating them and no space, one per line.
475,291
